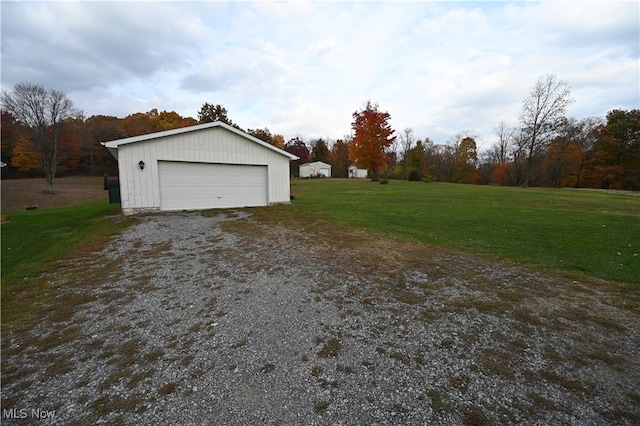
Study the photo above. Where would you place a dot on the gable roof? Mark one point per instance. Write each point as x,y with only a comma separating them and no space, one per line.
112,146
316,163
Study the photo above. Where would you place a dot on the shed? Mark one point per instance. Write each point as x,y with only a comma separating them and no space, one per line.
315,169
355,172
206,166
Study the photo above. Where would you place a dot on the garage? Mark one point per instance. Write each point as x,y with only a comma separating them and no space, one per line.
193,186
211,165
315,169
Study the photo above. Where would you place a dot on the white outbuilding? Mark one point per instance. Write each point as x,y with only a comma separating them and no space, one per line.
315,169
206,166
355,172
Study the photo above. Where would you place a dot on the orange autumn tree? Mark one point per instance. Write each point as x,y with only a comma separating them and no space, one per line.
373,135
23,158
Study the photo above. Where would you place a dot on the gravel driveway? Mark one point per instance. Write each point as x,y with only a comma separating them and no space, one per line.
188,319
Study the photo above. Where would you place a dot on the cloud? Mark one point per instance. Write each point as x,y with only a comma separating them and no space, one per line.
303,68
78,46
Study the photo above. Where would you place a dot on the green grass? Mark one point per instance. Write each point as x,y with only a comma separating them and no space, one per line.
36,240
593,232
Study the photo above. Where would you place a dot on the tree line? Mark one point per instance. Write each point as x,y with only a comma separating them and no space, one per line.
43,133
546,148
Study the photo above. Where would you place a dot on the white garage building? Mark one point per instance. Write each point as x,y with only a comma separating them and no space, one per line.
315,169
210,165
356,173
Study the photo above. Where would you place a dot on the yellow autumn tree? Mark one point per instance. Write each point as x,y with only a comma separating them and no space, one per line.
24,158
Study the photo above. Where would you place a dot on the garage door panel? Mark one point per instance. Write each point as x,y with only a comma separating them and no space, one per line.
185,186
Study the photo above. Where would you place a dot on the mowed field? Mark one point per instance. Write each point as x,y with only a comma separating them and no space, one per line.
41,230
592,232
596,233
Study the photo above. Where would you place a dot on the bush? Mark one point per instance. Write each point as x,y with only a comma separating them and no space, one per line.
414,175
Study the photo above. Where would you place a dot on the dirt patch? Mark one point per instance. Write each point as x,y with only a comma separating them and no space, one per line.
19,194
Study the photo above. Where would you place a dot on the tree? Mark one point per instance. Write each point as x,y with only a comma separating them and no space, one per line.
263,135
23,157
566,155
266,136
320,151
586,138
43,113
445,162
615,162
10,135
466,161
137,124
166,120
278,141
210,113
373,135
406,141
297,147
562,162
340,158
72,138
415,161
500,153
541,112
103,128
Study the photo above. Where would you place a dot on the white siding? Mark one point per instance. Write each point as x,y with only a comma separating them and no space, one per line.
317,168
305,170
140,189
355,172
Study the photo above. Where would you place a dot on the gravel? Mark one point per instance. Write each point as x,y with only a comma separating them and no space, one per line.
188,319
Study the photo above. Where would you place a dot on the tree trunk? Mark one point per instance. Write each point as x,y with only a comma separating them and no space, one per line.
526,172
374,175
580,170
49,187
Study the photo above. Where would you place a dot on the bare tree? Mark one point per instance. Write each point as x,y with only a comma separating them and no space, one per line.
42,113
406,141
500,149
540,115
499,152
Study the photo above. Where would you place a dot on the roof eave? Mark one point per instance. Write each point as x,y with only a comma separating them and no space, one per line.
112,146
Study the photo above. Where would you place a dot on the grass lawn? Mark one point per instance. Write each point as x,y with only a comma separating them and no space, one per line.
593,232
35,240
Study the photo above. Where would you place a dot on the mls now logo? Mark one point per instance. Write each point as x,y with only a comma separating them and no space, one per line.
23,413
15,413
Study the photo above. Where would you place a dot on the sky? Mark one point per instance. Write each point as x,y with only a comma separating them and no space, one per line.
303,68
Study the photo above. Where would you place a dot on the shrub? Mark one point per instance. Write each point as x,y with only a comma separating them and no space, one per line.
414,176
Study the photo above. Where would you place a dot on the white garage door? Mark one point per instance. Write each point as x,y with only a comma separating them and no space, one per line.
191,186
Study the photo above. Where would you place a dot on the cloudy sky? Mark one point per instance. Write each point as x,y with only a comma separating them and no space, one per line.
303,68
